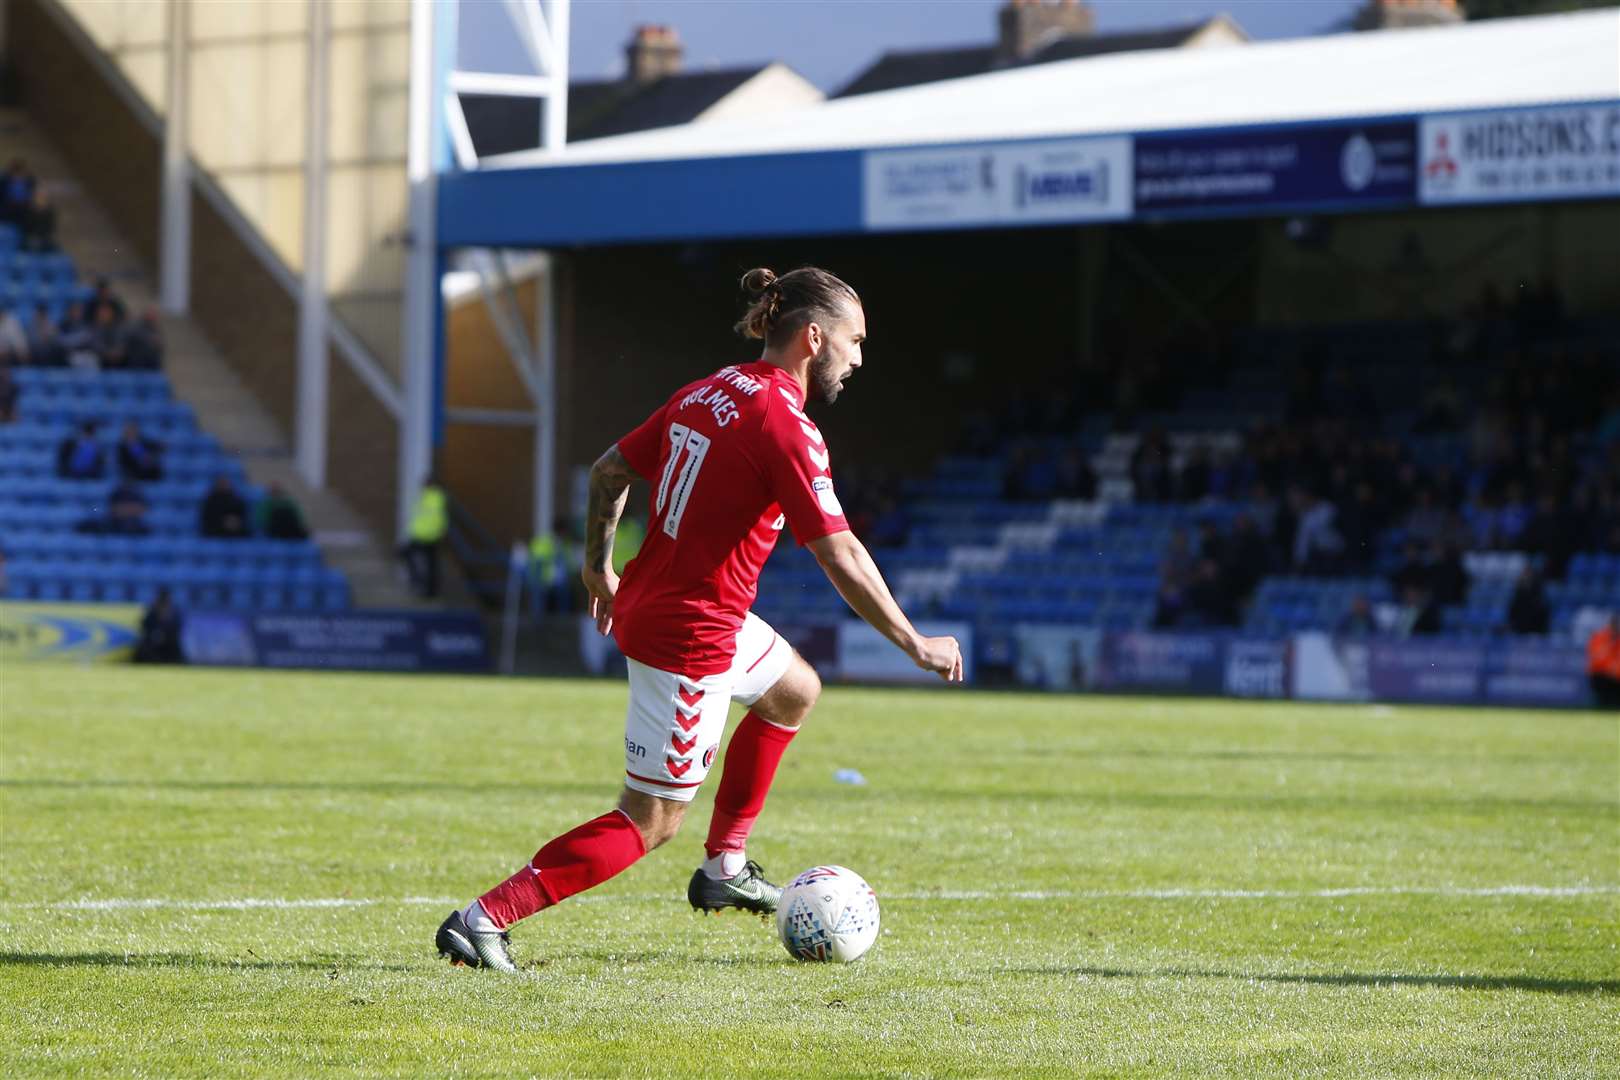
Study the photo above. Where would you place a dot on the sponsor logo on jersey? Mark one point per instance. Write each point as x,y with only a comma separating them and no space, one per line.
823,487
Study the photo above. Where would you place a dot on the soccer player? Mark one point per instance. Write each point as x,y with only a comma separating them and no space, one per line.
731,459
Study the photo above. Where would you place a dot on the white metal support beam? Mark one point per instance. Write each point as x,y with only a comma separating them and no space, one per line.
422,298
175,226
554,124
545,398
312,304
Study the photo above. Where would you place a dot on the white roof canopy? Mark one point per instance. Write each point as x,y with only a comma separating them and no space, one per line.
1497,63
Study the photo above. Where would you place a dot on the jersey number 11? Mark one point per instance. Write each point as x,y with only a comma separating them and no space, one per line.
681,475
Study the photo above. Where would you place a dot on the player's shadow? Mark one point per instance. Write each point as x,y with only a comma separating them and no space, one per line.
1350,978
333,968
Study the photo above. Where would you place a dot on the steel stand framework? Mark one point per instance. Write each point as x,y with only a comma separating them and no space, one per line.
439,142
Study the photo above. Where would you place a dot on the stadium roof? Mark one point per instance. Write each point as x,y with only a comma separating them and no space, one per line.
915,67
804,154
602,108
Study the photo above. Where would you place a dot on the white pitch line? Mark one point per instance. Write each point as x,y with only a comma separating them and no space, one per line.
251,903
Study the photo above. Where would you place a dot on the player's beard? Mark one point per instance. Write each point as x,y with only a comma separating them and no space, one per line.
822,379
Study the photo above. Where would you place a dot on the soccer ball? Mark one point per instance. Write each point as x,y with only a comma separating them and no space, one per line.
828,913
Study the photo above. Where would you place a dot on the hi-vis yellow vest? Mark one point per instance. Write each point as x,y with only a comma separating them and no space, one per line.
432,517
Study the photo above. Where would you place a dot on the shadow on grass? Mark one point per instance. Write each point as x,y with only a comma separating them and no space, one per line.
333,968
1150,800
1444,982
363,787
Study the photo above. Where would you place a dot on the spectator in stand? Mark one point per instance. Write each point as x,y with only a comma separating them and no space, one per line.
1176,566
13,340
1448,577
1603,663
38,223
1209,601
278,517
1150,468
160,632
1413,571
1427,522
107,336
1075,477
224,514
1246,558
16,191
125,516
1420,615
1358,622
1193,481
549,571
43,340
1528,612
143,344
430,522
104,295
139,458
76,337
8,395
1550,534
1317,545
81,456
1360,520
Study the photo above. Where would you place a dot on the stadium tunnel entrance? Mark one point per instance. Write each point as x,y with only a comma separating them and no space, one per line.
1120,319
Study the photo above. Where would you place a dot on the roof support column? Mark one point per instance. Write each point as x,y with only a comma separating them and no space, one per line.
312,304
433,28
545,404
175,225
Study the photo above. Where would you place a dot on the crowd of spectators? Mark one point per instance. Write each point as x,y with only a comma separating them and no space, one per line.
1536,468
137,458
92,335
25,204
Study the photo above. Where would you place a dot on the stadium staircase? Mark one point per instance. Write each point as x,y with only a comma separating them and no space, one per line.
210,423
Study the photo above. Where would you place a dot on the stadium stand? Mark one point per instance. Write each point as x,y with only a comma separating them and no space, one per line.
62,539
1431,466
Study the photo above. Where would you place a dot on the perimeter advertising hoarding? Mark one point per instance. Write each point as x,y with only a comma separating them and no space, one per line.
81,633
1301,167
1050,182
850,651
1568,152
350,641
1084,658
1450,672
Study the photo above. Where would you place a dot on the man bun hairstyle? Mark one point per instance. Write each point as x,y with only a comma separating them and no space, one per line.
779,307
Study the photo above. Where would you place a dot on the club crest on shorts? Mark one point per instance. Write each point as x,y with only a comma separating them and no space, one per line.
708,755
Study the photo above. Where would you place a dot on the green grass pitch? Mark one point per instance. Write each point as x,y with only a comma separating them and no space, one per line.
234,873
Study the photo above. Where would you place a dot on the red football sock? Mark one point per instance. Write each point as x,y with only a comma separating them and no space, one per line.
575,861
756,748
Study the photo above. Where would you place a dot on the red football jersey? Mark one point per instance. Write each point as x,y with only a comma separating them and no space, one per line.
730,458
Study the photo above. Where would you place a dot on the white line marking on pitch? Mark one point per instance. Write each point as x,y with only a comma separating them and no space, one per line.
250,904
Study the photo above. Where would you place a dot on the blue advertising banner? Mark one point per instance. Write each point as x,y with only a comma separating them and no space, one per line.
351,641
1321,165
1176,663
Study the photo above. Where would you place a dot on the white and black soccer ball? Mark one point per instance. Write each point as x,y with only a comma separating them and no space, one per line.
828,913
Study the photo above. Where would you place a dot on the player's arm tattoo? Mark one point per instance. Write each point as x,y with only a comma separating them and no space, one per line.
610,486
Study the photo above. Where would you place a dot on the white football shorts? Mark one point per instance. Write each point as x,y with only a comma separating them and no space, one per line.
673,729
